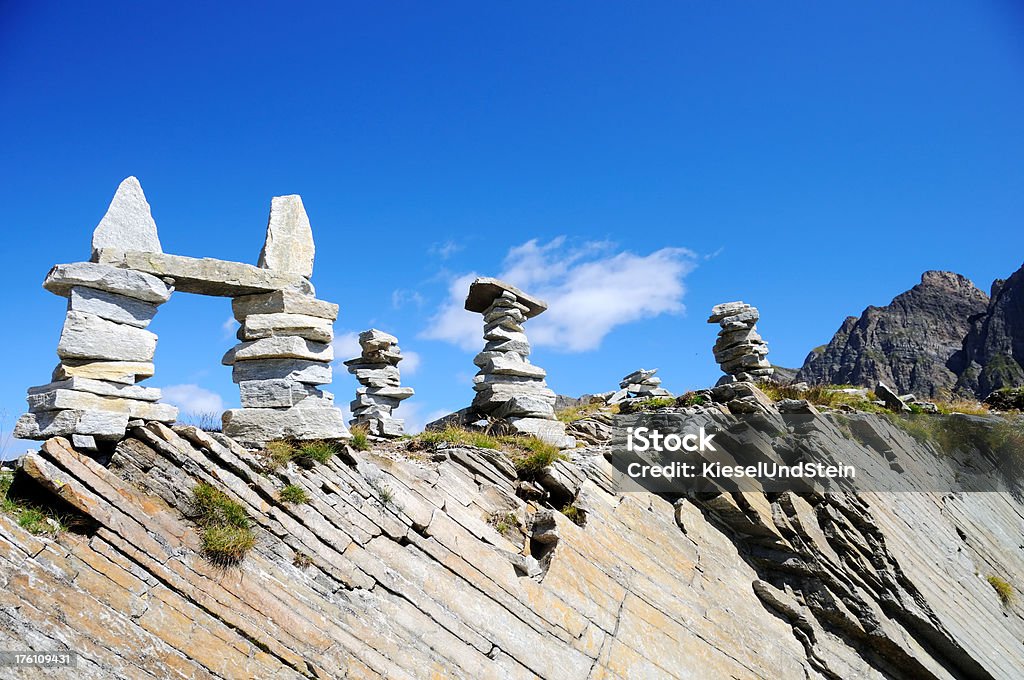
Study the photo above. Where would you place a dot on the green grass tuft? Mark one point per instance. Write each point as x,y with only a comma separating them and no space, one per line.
575,515
360,439
279,454
1003,589
692,399
505,523
227,545
535,455
302,560
226,528
293,493
37,521
315,452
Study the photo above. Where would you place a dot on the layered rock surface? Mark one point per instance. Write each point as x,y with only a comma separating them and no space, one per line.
451,574
907,344
376,369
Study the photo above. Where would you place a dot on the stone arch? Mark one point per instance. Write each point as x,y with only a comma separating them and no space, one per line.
282,360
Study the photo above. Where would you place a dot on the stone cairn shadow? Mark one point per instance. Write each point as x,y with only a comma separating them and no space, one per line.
283,357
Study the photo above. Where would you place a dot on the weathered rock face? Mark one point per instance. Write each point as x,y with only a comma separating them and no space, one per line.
906,344
436,567
128,223
992,355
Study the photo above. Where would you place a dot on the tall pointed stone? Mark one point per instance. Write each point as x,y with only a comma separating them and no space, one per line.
128,224
289,246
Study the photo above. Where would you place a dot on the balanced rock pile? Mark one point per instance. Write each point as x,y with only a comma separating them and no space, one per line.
376,369
641,384
740,350
104,347
285,352
283,358
507,385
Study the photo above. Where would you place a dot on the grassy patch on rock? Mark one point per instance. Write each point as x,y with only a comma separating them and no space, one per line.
294,494
360,438
226,528
35,520
1003,589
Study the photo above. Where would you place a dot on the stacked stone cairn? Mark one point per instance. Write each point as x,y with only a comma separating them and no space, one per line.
104,347
376,369
285,351
740,350
640,385
508,386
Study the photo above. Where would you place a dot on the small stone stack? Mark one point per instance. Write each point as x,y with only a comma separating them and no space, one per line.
376,369
285,350
104,347
740,350
507,385
642,384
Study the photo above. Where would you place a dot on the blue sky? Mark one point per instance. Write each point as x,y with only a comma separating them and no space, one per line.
809,158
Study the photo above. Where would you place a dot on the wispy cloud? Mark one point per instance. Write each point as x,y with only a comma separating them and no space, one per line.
416,416
229,327
446,249
591,288
346,346
410,362
402,297
193,399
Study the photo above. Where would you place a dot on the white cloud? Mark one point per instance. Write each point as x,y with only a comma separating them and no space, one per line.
416,418
446,249
590,289
454,324
229,327
410,362
402,297
193,399
346,346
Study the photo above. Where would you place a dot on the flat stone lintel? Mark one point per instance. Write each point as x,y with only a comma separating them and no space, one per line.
206,276
485,290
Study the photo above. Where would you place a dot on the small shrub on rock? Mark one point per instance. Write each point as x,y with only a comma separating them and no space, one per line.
315,452
360,439
293,493
1003,589
226,528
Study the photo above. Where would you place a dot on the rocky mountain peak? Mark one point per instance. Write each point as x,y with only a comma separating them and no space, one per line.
906,343
992,355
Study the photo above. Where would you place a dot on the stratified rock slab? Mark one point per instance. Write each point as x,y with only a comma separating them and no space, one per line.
302,371
134,284
86,336
61,399
106,425
127,372
128,223
286,347
111,306
485,290
289,246
207,276
259,326
283,302
260,425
